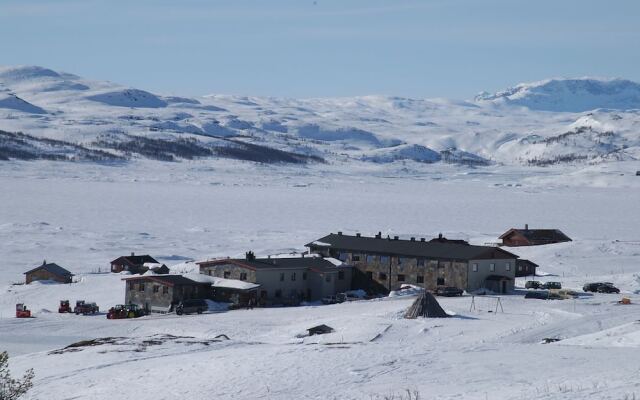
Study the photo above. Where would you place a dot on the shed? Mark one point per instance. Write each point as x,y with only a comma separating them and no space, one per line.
533,237
132,263
320,330
48,272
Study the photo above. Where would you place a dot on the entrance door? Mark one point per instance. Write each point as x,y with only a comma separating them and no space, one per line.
504,287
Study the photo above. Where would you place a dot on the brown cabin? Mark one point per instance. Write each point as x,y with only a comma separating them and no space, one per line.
532,237
132,263
48,272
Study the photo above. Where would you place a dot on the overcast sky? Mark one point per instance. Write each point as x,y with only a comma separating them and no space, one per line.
447,48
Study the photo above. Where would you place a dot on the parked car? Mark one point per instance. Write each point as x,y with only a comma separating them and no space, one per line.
551,285
85,308
191,306
333,299
449,291
593,286
607,288
532,285
537,294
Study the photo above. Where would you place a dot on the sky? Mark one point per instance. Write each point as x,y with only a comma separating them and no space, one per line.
324,48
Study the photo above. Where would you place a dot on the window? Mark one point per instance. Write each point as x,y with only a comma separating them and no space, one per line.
210,272
343,256
131,286
156,288
278,293
355,257
440,281
474,267
341,275
400,278
281,276
327,278
420,279
293,276
304,276
384,259
508,266
520,268
243,276
492,267
421,262
371,258
382,276
227,274
141,287
165,290
369,274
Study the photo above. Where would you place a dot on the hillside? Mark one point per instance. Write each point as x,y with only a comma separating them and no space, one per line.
560,121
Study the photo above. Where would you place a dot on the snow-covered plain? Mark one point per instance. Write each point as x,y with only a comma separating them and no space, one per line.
408,167
83,215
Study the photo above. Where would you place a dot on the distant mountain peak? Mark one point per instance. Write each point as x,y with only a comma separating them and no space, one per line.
569,95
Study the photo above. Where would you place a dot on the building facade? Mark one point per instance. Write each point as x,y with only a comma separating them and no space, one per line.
162,292
285,281
384,264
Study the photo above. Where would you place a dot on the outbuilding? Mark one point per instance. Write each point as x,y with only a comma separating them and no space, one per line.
532,237
48,272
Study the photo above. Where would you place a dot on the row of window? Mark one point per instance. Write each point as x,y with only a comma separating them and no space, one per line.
370,258
402,278
492,267
141,288
227,275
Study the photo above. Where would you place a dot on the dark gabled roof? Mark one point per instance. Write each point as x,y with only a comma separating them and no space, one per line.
554,235
318,264
170,280
135,260
410,248
53,268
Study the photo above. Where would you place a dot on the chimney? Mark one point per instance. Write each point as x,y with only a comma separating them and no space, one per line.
395,237
340,233
379,235
439,235
44,262
413,239
133,254
250,256
526,227
422,239
357,234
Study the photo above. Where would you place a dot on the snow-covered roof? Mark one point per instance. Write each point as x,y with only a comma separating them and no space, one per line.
222,282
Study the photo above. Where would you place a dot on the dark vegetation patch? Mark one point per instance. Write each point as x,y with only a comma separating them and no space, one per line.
157,149
263,154
20,146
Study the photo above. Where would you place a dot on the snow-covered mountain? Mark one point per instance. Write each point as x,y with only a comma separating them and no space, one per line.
570,95
548,122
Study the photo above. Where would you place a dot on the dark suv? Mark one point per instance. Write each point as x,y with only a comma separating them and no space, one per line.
449,291
607,288
593,286
191,306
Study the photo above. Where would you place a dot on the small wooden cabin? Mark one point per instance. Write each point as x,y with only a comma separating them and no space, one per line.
48,272
532,237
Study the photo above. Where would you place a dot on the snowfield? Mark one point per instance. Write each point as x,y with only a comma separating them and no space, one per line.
81,216
553,154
